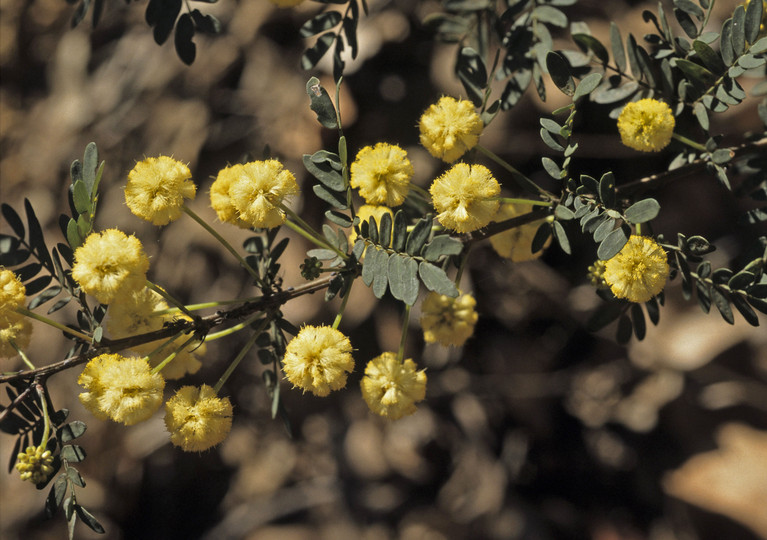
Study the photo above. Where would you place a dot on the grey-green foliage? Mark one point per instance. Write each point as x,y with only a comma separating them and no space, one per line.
397,259
336,31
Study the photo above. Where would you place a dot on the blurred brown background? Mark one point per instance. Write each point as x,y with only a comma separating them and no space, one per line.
535,430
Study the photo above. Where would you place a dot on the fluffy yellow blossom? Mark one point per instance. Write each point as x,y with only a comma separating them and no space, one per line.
14,331
646,125
367,211
449,128
448,321
318,359
286,3
517,243
392,388
639,271
110,263
220,200
197,419
382,173
463,196
137,313
257,190
157,188
121,388
14,327
35,464
12,291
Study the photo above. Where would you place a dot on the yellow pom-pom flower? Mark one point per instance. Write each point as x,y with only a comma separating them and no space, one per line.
367,211
318,360
13,331
258,189
12,291
392,388
197,419
646,125
382,173
137,313
157,188
110,263
35,464
14,327
464,197
448,321
639,271
121,388
220,200
517,243
449,128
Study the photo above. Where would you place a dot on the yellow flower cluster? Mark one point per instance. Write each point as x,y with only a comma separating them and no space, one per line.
35,464
464,196
157,188
318,359
517,243
392,388
137,313
639,271
382,174
646,125
596,273
197,419
448,321
121,388
110,263
15,329
250,195
449,128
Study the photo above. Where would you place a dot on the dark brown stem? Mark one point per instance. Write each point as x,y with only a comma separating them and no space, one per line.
199,324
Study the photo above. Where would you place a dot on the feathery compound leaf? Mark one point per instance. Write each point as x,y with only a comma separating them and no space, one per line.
320,23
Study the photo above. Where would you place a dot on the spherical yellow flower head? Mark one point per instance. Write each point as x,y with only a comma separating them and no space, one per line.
463,197
110,263
157,188
367,211
137,313
646,125
197,419
392,388
35,464
517,243
382,173
121,388
12,292
318,359
448,321
639,271
14,327
220,200
13,331
258,190
449,128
